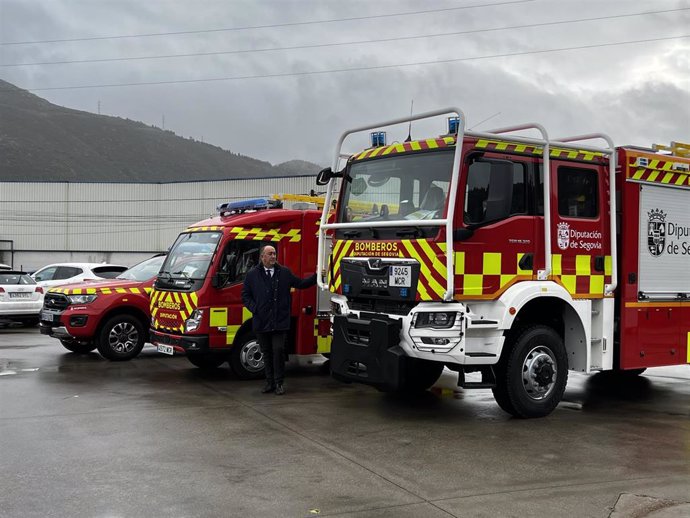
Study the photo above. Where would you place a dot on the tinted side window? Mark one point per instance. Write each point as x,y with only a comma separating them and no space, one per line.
67,272
238,258
496,189
578,192
46,275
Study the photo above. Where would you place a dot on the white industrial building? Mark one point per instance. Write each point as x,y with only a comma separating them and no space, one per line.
123,223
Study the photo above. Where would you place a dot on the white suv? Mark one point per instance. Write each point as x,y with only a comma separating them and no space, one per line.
69,273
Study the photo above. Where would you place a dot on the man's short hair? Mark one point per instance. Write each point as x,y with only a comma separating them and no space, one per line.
261,250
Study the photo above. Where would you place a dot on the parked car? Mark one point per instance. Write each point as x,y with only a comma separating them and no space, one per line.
111,315
70,273
5,267
20,298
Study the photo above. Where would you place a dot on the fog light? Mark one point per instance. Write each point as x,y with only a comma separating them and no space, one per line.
78,321
435,341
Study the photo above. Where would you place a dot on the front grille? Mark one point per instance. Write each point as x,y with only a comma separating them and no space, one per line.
390,307
56,301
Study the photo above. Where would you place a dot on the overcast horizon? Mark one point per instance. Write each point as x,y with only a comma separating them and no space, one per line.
626,74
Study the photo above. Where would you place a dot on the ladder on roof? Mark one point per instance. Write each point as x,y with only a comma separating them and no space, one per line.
676,148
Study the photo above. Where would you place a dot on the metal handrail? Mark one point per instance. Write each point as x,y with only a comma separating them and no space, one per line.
447,222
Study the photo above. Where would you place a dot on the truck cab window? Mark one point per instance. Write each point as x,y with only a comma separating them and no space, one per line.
238,258
495,190
578,192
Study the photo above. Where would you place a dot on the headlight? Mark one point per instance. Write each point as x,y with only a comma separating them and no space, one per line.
441,320
81,299
194,321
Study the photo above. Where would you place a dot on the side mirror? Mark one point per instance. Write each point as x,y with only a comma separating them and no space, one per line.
324,176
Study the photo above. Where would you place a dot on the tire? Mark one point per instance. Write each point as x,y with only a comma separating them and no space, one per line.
531,378
121,338
78,347
246,359
207,361
420,375
31,322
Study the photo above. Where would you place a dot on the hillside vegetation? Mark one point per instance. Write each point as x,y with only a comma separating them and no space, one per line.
40,141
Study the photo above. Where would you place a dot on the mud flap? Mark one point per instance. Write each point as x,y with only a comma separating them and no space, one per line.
368,351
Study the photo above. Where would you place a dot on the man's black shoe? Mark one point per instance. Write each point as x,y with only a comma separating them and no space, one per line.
268,387
280,390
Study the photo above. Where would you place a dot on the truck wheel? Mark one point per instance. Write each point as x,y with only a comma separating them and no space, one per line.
420,375
532,379
78,347
121,338
207,361
246,358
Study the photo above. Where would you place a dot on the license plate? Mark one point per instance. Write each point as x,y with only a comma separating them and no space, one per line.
48,316
20,295
165,349
400,276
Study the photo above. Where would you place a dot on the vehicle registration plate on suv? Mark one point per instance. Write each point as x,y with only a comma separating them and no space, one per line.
165,349
49,317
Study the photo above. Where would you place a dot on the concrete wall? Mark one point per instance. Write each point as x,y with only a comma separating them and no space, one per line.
119,223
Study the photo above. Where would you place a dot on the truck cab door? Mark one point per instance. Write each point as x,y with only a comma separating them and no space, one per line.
580,237
227,313
496,207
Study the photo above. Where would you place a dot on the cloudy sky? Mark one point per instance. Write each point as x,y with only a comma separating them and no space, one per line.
281,79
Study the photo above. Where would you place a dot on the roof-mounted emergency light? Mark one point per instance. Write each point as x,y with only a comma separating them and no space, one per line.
237,207
453,125
378,138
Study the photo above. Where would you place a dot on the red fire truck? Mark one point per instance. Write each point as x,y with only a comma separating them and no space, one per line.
516,257
196,304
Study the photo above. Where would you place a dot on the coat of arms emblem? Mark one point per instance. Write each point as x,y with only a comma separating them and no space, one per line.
563,236
656,232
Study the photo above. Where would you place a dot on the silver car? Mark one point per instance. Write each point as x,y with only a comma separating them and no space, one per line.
20,298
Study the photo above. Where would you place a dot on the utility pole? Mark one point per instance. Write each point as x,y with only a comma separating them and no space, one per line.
99,106
163,121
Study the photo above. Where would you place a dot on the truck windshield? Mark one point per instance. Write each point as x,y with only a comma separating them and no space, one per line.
398,188
190,256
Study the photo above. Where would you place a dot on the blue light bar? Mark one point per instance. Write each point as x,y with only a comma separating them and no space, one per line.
236,207
453,125
378,138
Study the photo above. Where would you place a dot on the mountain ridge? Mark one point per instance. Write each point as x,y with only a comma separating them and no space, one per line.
41,141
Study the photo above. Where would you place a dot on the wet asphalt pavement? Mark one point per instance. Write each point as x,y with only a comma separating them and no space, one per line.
82,436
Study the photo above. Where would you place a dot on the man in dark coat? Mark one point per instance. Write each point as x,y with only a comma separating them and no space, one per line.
266,293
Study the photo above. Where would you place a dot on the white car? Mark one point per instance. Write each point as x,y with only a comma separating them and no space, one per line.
21,299
69,273
5,267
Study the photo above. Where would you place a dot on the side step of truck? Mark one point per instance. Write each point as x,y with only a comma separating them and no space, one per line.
488,379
